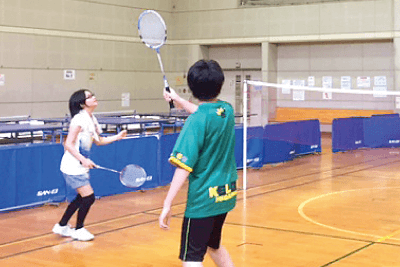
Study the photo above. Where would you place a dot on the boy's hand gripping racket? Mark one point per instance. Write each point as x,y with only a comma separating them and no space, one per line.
131,176
153,32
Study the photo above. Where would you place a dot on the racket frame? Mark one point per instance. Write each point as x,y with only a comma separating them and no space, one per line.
156,47
121,174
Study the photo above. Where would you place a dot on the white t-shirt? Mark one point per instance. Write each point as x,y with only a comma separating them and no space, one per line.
90,129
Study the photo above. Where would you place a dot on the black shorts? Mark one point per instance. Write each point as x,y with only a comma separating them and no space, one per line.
198,234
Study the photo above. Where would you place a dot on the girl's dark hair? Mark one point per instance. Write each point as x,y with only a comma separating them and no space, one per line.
205,79
77,101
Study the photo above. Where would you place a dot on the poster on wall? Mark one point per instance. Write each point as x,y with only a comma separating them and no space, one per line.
2,79
380,81
327,95
125,99
286,91
69,74
179,80
327,82
345,82
397,102
381,89
299,95
311,81
363,82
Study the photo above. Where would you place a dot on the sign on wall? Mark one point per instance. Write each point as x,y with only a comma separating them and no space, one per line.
327,82
69,74
286,91
311,81
299,95
345,82
363,82
380,81
125,99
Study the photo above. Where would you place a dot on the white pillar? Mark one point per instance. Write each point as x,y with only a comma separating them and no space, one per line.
269,74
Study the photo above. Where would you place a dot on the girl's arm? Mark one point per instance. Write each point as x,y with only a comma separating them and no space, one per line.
110,139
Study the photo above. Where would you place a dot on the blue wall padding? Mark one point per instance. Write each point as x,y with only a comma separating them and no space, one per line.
366,132
30,173
284,141
166,169
348,133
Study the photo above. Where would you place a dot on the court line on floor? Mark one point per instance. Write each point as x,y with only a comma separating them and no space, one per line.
347,255
183,203
70,240
300,210
316,180
390,236
249,189
303,232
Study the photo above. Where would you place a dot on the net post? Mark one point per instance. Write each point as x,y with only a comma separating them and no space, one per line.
245,135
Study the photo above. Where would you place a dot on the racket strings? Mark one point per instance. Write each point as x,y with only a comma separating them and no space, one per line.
133,176
152,29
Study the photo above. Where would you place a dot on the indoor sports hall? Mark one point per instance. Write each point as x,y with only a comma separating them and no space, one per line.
314,87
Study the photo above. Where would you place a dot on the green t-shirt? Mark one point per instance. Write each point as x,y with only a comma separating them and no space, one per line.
206,148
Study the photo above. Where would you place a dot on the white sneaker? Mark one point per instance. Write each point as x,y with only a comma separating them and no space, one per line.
82,235
63,230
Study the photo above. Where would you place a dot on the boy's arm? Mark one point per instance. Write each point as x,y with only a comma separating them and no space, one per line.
178,180
186,105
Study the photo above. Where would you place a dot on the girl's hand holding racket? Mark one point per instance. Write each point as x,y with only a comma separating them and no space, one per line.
165,217
88,163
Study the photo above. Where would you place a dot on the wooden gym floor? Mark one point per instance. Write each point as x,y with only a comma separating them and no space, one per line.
336,210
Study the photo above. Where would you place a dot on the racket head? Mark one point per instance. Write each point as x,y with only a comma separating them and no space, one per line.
133,176
152,29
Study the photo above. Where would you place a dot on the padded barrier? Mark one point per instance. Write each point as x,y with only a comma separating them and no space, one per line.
254,147
366,132
31,176
285,141
348,134
381,131
141,151
166,169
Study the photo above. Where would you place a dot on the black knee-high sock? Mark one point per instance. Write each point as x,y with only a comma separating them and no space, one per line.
84,209
72,207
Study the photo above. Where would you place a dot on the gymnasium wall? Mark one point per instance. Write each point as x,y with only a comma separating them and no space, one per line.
98,39
209,19
324,39
355,59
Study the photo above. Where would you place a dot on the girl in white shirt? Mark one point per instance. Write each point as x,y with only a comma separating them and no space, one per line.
75,164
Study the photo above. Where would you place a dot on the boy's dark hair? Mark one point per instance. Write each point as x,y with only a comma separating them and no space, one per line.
77,101
205,79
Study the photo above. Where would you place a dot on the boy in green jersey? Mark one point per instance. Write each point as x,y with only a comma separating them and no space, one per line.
204,154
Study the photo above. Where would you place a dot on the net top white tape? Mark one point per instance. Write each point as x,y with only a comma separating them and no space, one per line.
324,90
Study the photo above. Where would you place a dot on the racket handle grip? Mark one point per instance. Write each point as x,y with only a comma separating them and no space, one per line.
171,103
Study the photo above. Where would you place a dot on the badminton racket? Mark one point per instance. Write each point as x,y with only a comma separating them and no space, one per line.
130,176
153,33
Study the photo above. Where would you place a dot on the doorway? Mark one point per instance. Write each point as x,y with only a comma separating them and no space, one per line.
232,92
